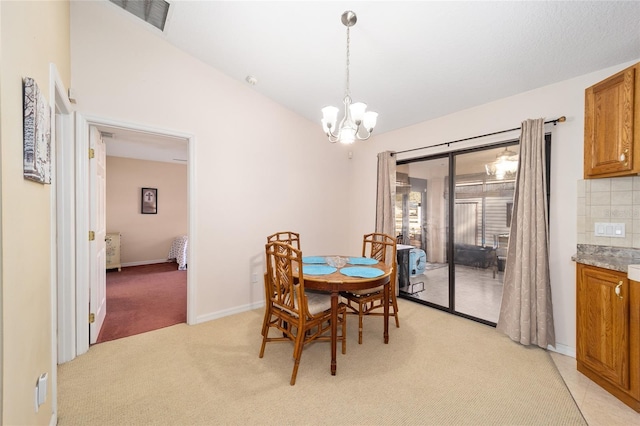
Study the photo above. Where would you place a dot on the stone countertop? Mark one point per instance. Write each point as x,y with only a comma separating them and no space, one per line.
613,258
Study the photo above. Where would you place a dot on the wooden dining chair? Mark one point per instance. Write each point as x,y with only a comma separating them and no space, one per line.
288,237
371,301
299,317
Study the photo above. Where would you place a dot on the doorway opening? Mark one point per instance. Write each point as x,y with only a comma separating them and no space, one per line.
145,288
83,193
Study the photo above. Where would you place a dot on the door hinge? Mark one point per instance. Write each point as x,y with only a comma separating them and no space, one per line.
92,235
91,153
92,318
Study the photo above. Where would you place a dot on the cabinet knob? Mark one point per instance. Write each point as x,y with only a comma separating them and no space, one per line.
623,157
617,290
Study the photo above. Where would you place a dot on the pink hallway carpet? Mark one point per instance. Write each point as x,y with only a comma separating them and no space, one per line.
144,298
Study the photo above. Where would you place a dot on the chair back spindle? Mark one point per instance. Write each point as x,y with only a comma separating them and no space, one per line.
289,237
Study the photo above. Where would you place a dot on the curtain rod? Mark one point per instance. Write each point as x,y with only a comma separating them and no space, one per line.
557,120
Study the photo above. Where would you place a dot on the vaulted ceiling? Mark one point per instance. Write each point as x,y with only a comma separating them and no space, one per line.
411,61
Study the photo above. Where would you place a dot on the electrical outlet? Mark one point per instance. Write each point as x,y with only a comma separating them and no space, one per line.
41,391
42,388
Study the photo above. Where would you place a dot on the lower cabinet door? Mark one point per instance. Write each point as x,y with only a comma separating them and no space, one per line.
603,324
608,331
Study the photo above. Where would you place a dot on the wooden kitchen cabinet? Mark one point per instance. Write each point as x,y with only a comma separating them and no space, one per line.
112,241
612,126
608,331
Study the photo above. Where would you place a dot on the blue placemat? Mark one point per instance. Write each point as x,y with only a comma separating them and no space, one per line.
313,259
362,261
318,269
361,271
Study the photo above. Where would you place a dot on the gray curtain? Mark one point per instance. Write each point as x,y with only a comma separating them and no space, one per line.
526,314
386,194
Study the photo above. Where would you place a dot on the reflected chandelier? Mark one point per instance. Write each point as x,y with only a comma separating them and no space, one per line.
506,165
357,123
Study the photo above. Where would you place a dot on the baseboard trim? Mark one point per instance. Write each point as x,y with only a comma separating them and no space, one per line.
227,312
559,348
563,349
145,262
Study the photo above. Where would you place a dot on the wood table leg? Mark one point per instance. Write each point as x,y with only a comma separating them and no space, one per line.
387,290
334,330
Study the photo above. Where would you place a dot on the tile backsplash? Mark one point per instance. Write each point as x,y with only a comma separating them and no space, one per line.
613,200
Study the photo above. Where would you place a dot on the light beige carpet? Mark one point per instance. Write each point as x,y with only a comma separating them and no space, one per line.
436,369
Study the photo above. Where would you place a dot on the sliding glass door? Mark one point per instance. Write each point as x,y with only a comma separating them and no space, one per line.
452,250
484,189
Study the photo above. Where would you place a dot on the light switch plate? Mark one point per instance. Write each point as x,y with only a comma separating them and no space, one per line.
606,229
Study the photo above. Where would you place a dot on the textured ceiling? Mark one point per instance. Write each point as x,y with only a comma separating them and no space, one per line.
410,61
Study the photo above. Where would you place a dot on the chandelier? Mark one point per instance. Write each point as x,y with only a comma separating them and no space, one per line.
357,123
506,165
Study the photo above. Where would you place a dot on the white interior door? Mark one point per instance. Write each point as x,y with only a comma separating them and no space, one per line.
97,223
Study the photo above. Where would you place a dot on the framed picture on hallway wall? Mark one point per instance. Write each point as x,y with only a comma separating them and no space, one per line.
37,134
149,201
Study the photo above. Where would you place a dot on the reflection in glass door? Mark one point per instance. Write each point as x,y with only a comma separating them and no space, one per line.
452,250
482,212
422,228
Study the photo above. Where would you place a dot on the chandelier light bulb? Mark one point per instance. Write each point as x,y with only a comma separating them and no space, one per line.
347,135
370,120
330,116
357,111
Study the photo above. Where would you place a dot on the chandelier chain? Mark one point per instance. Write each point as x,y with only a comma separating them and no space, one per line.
348,90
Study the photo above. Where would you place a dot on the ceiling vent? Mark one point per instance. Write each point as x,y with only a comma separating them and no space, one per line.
152,11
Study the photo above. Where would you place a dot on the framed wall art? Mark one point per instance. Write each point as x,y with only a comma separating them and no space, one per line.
37,134
149,201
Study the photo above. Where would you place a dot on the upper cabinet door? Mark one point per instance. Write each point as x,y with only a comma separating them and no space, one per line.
611,126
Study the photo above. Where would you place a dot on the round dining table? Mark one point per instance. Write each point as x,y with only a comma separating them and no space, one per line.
337,282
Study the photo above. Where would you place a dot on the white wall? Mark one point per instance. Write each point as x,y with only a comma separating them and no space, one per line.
33,35
145,238
259,168
565,98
